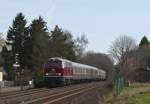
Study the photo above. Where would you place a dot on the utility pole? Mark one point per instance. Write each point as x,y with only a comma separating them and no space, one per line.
18,70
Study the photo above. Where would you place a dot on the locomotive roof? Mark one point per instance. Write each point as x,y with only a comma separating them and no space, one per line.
77,64
58,58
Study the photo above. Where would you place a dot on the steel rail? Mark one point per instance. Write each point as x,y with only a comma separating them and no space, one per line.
69,95
23,94
59,95
18,92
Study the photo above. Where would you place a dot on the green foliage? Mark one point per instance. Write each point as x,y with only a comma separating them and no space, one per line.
144,41
17,36
35,45
136,94
7,56
38,81
39,42
62,44
149,62
141,99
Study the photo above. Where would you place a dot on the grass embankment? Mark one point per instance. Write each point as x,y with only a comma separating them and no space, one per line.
135,94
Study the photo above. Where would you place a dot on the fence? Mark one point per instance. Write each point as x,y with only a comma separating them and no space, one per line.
6,83
119,84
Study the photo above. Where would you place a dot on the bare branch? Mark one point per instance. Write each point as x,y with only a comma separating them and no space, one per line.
121,46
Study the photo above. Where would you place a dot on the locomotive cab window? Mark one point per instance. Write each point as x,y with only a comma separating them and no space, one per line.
54,63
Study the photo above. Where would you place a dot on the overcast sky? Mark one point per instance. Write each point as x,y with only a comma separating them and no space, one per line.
101,20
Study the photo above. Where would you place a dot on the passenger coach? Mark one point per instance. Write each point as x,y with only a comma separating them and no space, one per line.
58,71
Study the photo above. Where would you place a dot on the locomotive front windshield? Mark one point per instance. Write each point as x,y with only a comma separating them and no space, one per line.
54,64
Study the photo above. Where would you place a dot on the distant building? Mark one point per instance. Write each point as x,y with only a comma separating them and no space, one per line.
3,73
1,76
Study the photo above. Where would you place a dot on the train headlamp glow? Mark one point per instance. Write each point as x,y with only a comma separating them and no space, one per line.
46,74
59,74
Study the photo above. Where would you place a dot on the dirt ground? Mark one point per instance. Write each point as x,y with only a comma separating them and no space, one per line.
95,96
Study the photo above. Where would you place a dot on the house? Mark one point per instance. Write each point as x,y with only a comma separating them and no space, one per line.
3,74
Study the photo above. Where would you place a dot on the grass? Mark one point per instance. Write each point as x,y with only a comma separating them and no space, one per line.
141,99
135,94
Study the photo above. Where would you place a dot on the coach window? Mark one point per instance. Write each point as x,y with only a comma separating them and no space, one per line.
79,70
73,69
84,71
76,70
67,64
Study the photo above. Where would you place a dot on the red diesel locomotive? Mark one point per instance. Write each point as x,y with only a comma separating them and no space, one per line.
58,71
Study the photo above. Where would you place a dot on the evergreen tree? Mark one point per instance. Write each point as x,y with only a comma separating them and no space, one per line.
62,44
7,57
17,36
69,46
39,44
144,41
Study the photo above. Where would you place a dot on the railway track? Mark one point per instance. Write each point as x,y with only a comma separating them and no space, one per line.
18,92
47,96
57,97
62,95
23,93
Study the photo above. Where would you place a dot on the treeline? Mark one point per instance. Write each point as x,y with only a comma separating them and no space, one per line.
131,58
34,44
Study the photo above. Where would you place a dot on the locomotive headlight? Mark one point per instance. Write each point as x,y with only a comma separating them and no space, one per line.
59,74
46,74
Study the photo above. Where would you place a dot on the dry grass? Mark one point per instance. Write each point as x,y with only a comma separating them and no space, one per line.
130,95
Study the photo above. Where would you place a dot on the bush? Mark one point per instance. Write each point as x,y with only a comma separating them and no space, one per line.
39,82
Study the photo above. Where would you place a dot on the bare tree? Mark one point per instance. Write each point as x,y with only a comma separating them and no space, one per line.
138,60
2,41
99,60
80,44
120,47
